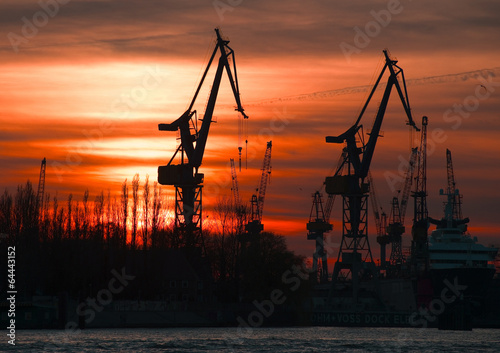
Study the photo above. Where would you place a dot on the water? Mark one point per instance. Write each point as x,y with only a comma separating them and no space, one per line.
302,339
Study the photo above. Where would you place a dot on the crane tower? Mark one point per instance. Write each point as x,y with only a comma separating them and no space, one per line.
396,227
185,176
41,186
419,254
457,198
355,258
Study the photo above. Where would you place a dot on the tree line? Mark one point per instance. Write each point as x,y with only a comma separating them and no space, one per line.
72,245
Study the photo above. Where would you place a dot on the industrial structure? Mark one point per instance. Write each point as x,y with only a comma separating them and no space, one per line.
185,177
355,259
41,186
396,228
255,225
452,190
234,182
419,254
318,225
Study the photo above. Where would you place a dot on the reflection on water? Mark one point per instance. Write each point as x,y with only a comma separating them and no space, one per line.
302,339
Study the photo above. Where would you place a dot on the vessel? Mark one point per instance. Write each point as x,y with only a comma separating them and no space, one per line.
456,257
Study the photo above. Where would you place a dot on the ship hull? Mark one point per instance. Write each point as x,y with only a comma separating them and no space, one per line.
361,319
469,282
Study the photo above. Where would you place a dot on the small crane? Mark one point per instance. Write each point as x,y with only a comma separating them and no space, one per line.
318,225
380,222
234,180
457,198
255,225
419,254
453,205
41,187
396,227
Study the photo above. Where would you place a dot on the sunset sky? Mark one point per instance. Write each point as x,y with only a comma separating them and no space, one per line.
86,82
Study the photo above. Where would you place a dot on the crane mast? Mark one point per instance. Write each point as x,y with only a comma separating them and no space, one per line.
419,254
318,225
452,206
396,227
257,201
234,179
457,198
41,186
355,257
185,177
380,222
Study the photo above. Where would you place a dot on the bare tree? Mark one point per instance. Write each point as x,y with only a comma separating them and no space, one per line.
25,215
85,215
124,212
108,216
70,208
155,219
146,211
6,213
223,213
54,217
135,203
99,215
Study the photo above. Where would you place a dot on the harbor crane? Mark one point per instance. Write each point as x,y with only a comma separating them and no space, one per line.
453,205
396,228
235,189
255,225
457,198
419,253
380,222
239,209
41,186
355,257
318,225
185,176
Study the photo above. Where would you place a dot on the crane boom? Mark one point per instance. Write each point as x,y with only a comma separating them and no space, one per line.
419,253
361,167
264,179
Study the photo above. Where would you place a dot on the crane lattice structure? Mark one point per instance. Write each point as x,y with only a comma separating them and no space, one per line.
255,225
239,208
41,186
452,205
396,227
235,189
355,258
457,198
318,225
185,177
419,253
380,222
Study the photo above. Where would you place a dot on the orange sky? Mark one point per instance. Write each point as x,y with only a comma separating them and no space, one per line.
88,89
